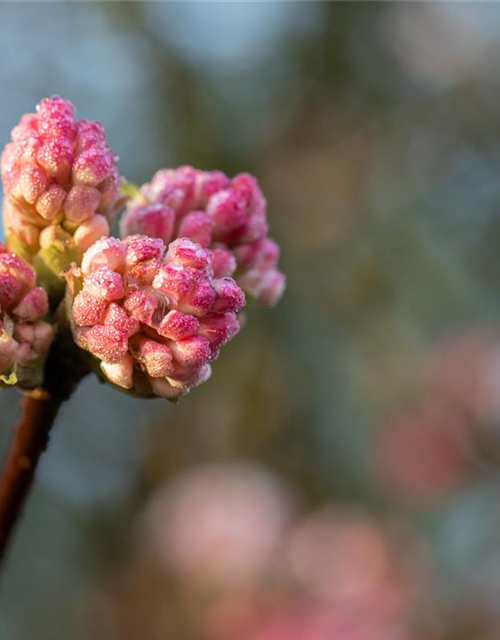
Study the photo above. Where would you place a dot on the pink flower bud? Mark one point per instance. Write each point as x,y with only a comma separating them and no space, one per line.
43,335
35,304
56,157
107,343
141,248
219,329
187,253
266,286
174,188
144,306
200,300
120,373
262,253
186,379
14,266
106,252
90,231
118,318
92,166
207,183
57,169
174,281
89,134
87,309
155,221
24,338
104,284
198,226
162,388
50,203
9,289
229,296
144,272
81,203
227,211
191,353
177,326
149,315
226,216
31,183
155,356
223,262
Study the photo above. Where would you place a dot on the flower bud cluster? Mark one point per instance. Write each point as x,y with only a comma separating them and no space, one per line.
154,316
226,215
60,179
25,339
154,308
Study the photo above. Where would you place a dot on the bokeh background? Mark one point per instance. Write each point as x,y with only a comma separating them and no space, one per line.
338,478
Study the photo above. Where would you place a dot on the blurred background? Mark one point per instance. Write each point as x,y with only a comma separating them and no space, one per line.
339,476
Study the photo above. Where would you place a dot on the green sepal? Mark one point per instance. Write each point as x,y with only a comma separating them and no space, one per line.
50,263
17,246
9,380
131,190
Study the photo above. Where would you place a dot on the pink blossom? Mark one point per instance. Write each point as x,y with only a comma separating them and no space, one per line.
341,555
273,617
220,524
25,338
463,371
420,451
154,317
225,215
426,450
58,171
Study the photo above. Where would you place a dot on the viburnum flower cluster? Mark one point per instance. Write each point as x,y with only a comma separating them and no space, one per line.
155,318
228,216
25,338
60,179
152,309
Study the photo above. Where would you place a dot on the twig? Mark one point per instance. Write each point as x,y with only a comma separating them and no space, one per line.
29,441
64,369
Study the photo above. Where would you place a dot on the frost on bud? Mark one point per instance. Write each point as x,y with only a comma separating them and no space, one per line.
225,215
60,182
154,316
25,338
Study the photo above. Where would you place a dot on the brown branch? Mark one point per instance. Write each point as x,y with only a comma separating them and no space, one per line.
29,441
64,368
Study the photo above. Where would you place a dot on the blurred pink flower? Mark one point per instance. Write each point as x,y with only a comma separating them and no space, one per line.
228,216
420,453
155,320
463,371
439,44
220,523
343,556
424,450
60,178
292,618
